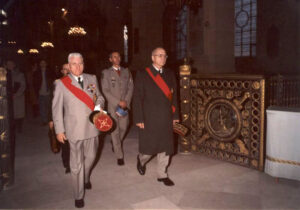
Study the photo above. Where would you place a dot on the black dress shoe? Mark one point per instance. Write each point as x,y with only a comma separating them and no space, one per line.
120,161
88,186
79,203
67,170
141,169
166,181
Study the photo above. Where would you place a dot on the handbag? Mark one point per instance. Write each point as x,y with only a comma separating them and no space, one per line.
54,144
180,129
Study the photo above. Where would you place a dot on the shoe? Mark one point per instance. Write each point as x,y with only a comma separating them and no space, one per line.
166,181
79,203
141,169
88,186
120,161
68,170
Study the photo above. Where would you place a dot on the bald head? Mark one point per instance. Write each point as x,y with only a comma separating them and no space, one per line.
159,57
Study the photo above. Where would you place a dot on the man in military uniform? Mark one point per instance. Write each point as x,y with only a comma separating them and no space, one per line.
117,87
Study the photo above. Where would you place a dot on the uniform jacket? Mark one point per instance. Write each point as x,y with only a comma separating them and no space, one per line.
116,88
71,115
151,107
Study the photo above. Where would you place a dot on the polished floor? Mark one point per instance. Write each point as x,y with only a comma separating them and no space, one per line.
200,182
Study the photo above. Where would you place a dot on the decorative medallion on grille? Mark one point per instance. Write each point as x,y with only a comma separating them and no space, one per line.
226,117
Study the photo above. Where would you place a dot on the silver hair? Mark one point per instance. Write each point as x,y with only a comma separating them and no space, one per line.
74,54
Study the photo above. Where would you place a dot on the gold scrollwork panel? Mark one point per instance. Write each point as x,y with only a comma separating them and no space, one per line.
226,117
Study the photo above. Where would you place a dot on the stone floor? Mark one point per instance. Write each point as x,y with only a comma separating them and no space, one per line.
200,182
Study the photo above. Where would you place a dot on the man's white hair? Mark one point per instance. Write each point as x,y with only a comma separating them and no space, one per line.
74,54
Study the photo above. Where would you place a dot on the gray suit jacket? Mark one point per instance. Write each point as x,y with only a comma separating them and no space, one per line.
71,115
116,88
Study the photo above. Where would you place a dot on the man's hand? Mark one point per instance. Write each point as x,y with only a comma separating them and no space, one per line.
175,121
50,125
61,137
123,104
140,125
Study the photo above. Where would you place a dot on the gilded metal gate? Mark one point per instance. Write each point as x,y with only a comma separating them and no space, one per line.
6,133
225,114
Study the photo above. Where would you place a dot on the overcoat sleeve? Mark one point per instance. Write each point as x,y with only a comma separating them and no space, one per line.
138,97
106,89
57,107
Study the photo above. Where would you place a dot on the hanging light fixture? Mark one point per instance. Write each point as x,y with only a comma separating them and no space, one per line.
47,45
20,51
76,31
33,51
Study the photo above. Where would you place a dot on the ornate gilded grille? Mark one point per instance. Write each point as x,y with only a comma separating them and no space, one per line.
6,152
225,114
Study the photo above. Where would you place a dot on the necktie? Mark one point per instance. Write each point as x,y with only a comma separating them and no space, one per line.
118,71
80,82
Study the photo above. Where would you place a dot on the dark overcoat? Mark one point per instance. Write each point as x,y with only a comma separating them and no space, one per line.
152,107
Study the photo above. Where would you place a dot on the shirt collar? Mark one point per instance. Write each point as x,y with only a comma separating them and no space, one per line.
81,77
157,69
115,68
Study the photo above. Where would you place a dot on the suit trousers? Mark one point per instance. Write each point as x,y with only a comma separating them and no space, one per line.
162,163
82,156
118,134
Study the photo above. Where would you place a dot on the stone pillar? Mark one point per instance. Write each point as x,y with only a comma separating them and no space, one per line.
147,26
211,37
278,19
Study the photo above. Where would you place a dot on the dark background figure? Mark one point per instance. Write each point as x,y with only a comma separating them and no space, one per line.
42,82
152,113
32,97
65,147
18,87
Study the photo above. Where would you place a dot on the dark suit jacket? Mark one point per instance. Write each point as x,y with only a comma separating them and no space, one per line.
37,80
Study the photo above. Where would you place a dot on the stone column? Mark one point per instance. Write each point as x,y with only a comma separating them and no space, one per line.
211,37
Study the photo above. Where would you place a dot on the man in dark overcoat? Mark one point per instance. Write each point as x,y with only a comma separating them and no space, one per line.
155,113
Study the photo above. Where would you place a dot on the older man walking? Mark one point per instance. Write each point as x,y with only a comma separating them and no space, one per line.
75,97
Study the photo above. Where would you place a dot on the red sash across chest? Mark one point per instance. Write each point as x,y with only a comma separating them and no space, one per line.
163,86
80,94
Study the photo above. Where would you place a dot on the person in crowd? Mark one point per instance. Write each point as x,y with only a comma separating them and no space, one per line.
75,97
31,92
42,82
65,148
117,87
18,88
155,111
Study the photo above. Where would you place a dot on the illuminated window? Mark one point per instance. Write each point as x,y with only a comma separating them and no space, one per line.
245,28
181,33
125,34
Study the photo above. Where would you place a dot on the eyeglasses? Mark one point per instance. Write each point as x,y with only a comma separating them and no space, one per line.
161,56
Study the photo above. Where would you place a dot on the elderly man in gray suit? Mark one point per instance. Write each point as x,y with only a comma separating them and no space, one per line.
75,97
117,87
